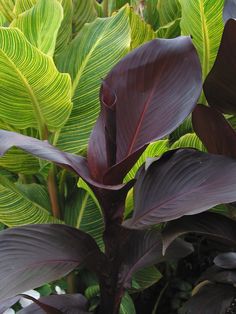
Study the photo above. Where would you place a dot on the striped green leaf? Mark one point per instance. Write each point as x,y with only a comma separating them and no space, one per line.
2,19
189,140
202,19
127,305
7,8
89,57
169,18
83,212
84,12
155,149
145,278
141,32
65,30
23,5
17,208
31,87
40,24
150,13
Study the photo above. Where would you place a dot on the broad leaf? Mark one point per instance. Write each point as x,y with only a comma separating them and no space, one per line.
67,303
40,24
145,278
87,61
214,131
226,260
23,5
229,10
182,182
83,12
158,109
189,140
35,254
7,8
209,224
149,12
18,208
202,19
211,299
169,18
219,86
127,305
144,248
29,86
219,275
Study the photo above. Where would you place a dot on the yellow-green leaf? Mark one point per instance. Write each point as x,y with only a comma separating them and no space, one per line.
40,24
32,92
189,140
89,57
7,8
23,5
16,208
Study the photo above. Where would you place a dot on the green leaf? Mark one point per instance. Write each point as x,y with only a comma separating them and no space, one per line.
84,12
23,5
151,14
31,87
83,212
169,18
141,32
153,150
40,24
127,305
2,19
189,140
6,8
89,57
65,30
16,208
92,292
15,160
145,278
202,19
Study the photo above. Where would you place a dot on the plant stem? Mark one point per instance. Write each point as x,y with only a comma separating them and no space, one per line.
105,7
71,283
159,298
53,193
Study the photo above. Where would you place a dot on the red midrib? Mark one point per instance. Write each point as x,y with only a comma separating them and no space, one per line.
140,122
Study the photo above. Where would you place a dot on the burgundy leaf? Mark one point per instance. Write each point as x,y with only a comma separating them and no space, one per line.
214,131
143,248
182,182
146,96
210,224
220,83
44,308
226,260
211,299
35,254
229,10
219,275
44,150
67,303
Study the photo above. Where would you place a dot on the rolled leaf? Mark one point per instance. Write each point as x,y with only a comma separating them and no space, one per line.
36,254
219,86
135,95
182,182
209,224
67,303
214,131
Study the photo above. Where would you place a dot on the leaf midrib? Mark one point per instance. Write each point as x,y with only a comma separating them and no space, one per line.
36,106
206,43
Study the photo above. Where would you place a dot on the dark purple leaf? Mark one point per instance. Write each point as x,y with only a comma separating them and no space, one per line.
67,303
210,224
214,131
226,260
220,83
35,254
182,182
211,299
44,308
219,275
143,248
44,150
229,10
144,98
